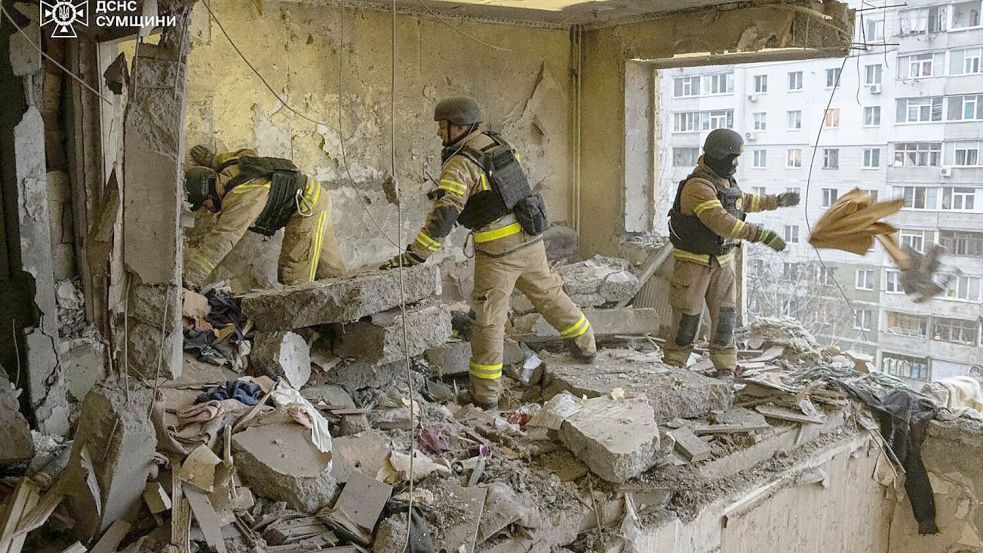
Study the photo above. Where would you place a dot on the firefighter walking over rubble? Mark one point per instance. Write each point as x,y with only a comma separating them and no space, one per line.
706,224
261,194
483,187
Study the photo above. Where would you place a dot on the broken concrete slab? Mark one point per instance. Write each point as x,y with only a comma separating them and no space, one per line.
618,439
355,374
281,354
461,536
24,58
278,461
450,358
359,506
504,507
338,300
83,363
364,452
606,323
690,446
671,392
598,281
15,432
111,457
335,395
380,340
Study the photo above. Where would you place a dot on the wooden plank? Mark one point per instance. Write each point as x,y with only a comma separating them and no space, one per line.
703,429
782,413
112,538
76,547
651,265
207,519
773,353
690,446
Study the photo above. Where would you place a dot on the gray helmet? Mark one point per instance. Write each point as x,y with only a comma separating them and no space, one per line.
199,184
721,143
460,110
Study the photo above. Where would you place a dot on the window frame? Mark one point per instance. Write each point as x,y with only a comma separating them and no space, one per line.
833,75
791,163
795,77
872,155
763,162
797,113
829,197
831,158
868,280
876,116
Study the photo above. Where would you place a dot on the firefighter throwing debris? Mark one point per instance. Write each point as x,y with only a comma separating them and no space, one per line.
261,194
706,224
483,187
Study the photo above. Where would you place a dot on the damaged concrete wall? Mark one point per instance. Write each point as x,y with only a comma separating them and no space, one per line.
737,35
300,49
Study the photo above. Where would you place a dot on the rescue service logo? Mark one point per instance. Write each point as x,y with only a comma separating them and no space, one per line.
64,15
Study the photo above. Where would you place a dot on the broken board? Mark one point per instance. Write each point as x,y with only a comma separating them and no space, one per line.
207,519
359,506
783,413
690,446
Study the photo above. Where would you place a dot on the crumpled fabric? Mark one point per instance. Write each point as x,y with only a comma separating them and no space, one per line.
286,397
247,392
904,418
224,310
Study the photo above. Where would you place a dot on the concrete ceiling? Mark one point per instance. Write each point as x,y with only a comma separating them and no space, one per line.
555,11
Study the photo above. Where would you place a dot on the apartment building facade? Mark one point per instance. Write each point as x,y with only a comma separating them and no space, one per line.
905,121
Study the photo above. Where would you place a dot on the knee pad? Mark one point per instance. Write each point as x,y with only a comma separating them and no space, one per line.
726,320
687,330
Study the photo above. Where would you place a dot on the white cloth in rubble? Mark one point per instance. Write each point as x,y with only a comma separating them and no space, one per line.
957,393
284,396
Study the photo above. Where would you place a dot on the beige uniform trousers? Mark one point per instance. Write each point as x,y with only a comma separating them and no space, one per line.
692,285
310,250
494,279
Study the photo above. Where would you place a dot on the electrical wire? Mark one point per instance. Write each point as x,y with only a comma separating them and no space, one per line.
437,16
52,60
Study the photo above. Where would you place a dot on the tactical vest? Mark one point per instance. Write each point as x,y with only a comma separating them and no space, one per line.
688,233
509,189
286,182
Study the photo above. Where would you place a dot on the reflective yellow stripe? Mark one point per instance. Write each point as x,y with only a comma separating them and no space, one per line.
453,186
203,263
485,372
738,229
312,195
709,204
755,204
484,182
317,245
428,243
489,235
726,258
247,187
577,329
690,256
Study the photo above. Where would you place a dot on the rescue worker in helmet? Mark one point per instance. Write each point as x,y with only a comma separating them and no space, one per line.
261,194
483,187
706,224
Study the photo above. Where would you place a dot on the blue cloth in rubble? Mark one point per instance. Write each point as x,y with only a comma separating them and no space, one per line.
246,392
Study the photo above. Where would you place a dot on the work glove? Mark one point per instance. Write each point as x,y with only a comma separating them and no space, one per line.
788,199
202,156
770,239
409,259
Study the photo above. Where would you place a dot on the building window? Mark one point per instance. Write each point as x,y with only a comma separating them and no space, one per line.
966,62
913,22
832,77
831,158
794,120
829,196
966,154
871,193
966,243
686,122
760,121
872,74
961,287
918,197
795,80
966,108
685,157
760,159
791,271
717,119
919,110
956,331
903,324
872,116
826,276
686,86
917,154
918,66
905,366
892,282
959,199
761,84
721,83
914,239
872,158
793,159
966,14
832,118
865,279
862,319
790,307
792,234
874,30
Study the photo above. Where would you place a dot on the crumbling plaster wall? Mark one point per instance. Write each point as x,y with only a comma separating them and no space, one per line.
299,48
743,33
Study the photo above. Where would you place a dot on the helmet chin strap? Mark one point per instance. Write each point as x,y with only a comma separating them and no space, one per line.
449,143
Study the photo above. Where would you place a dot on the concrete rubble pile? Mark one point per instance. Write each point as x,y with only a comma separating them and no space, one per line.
310,444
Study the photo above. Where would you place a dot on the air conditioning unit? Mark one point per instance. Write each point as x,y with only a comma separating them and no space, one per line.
752,98
946,171
875,89
750,136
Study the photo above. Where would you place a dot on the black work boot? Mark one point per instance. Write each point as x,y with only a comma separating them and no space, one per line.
577,354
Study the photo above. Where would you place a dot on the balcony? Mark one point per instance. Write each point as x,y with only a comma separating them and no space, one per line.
934,349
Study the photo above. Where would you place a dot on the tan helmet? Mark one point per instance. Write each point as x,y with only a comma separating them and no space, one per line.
460,110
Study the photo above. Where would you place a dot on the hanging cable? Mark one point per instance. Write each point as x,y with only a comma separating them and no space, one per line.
437,16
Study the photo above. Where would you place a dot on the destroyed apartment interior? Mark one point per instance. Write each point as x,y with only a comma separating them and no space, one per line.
285,276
